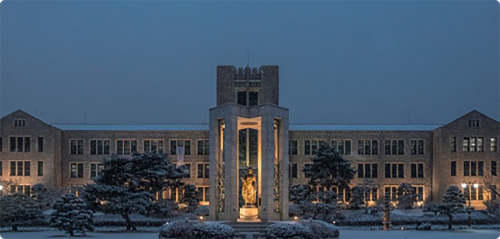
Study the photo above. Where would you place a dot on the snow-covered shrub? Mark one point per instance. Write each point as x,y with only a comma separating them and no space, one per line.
406,196
212,231
189,229
320,211
305,229
375,210
493,207
357,198
190,198
295,210
202,211
19,210
424,226
164,208
431,208
71,215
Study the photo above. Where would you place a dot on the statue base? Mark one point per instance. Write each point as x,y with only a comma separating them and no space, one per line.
249,213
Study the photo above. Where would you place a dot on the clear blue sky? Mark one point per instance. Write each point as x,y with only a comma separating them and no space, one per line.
341,62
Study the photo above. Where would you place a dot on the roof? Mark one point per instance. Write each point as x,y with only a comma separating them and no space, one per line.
134,127
408,127
204,127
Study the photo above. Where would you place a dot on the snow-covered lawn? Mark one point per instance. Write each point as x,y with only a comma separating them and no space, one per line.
344,234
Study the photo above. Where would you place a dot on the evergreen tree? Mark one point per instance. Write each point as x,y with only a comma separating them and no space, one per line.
329,169
406,196
19,210
128,184
71,215
357,198
300,193
453,202
190,198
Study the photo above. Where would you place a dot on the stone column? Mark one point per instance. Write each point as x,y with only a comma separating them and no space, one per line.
267,162
231,167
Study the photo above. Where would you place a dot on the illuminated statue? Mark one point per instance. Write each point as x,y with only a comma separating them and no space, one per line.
248,190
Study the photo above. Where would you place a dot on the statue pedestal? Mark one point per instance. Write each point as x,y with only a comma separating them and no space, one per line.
249,213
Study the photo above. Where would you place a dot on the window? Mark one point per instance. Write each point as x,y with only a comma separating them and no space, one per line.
25,189
417,170
19,122
76,146
419,191
394,170
186,168
475,193
417,147
126,146
20,144
367,147
153,146
494,168
203,147
203,170
367,170
242,98
40,168
473,168
453,168
76,170
1,168
20,168
253,98
293,147
453,144
394,147
493,144
474,123
311,146
1,144
293,170
99,147
180,146
391,192
203,193
96,169
40,144
306,174
473,144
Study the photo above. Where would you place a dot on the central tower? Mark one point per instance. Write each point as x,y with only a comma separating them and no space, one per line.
248,146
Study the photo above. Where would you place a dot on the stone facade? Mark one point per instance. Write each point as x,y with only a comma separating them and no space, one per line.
427,157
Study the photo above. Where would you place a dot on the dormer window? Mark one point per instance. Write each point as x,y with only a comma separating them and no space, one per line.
474,123
19,122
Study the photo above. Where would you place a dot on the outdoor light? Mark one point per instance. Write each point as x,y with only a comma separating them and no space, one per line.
334,222
1,187
201,218
476,185
464,185
295,218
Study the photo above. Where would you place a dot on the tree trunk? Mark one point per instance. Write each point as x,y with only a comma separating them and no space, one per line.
14,228
130,225
71,233
450,222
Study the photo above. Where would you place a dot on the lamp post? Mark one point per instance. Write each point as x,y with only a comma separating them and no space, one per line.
469,184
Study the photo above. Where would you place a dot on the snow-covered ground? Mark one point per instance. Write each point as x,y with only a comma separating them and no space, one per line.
344,234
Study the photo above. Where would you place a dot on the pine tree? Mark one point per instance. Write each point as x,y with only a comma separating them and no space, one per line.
300,193
329,169
406,196
190,198
71,215
128,184
357,198
19,210
453,202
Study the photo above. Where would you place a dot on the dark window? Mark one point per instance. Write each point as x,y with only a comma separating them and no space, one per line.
401,147
80,170
253,98
207,170
375,170
20,141
413,147
413,170
187,170
480,193
453,168
466,168
493,168
368,170
27,144
93,147
361,148
374,147
207,147
294,170
360,171
200,147
307,147
187,147
12,168
394,173
306,174
200,171
12,144
93,170
1,144
199,194
347,147
387,170
453,144
420,147
473,167
1,168
20,166
242,98
367,147
387,147
173,147
40,144
314,147
480,168
401,170
420,170
40,168
293,147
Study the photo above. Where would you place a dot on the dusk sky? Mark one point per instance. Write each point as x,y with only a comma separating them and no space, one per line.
341,62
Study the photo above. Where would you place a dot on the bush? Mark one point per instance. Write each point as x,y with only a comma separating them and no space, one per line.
306,229
424,226
186,229
202,211
71,216
164,208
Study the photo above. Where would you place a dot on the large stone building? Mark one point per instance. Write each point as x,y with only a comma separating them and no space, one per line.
249,129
